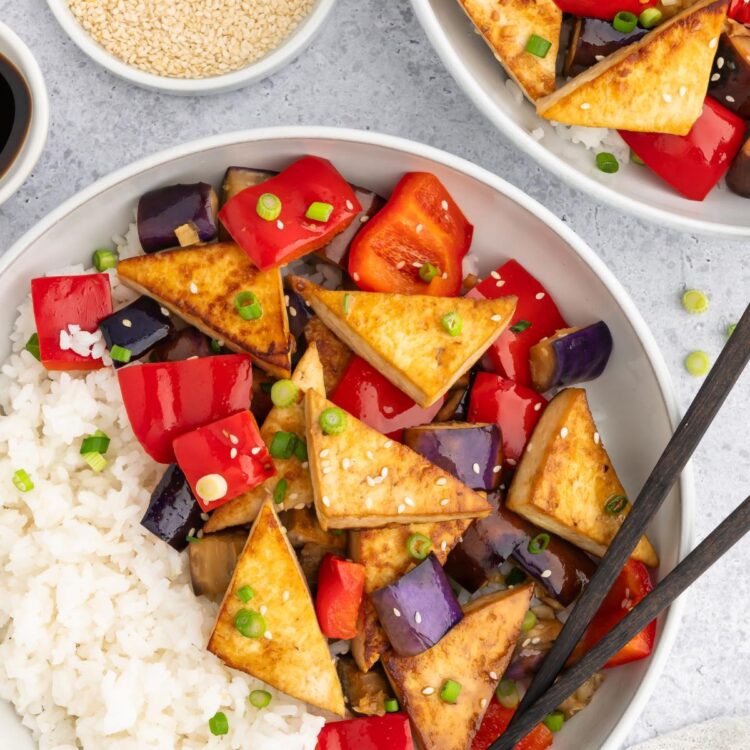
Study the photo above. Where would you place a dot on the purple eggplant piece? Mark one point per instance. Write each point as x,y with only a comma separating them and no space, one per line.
572,355
592,40
531,650
237,179
212,562
138,327
738,177
456,405
730,77
184,344
173,513
461,449
163,211
302,312
418,609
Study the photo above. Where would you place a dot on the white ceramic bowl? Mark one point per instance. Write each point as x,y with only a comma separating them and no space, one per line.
287,51
633,401
12,48
635,189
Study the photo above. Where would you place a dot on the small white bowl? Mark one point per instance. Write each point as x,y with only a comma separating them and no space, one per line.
13,49
287,51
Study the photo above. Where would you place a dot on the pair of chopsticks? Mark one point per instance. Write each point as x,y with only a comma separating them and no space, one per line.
545,693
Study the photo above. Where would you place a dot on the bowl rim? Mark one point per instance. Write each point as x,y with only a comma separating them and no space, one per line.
556,164
287,51
299,134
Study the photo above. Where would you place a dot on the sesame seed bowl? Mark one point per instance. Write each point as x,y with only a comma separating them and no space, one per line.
179,47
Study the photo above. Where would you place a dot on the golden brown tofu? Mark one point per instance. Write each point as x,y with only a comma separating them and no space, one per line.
402,335
657,84
200,285
292,654
334,353
475,653
565,479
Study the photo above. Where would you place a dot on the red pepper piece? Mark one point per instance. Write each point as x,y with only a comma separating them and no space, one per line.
607,9
60,301
514,408
292,235
509,354
692,164
224,459
340,586
167,399
419,224
496,721
372,398
739,10
389,732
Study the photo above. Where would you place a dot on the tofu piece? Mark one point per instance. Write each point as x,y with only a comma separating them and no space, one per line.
475,653
361,479
506,26
307,375
200,283
335,355
386,558
401,335
657,84
293,654
565,478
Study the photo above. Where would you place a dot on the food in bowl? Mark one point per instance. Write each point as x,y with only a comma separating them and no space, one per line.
671,78
15,113
367,465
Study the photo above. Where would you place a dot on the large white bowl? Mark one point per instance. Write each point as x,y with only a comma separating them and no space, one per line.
635,189
633,401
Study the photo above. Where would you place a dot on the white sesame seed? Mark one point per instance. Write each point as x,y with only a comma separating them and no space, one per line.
279,224
667,97
401,508
388,443
355,276
349,205
720,60
598,58
596,438
538,406
419,228
286,300
127,323
496,318
324,452
493,675
444,275
267,635
428,691
369,455
494,274
325,501
564,433
396,612
444,501
193,288
368,502
500,283
417,264
585,105
497,469
511,461
683,90
539,295
443,546
199,534
441,481
263,609
294,496
293,312
370,481
417,617
400,264
716,77
534,641
713,42
476,468
409,502
233,453
300,506
526,643
255,451
729,98
384,472
528,447
327,470
305,464
546,573
345,464
444,205
483,703
204,516
285,596
233,439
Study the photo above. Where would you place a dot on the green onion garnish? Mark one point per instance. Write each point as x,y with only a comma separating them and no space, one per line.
450,691
284,393
515,577
625,21
192,539
96,461
649,18
730,329
247,305
268,207
300,449
333,421
347,303
391,706
538,46
22,481
636,159
282,444
259,698
539,543
554,721
607,162
695,301
318,211
104,259
521,326
452,323
427,272
120,354
32,346
697,363
244,594
529,622
96,443
419,546
615,505
279,491
215,346
250,623
218,723
507,694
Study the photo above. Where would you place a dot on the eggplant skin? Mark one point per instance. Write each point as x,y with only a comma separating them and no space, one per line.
594,39
212,562
730,76
738,177
184,344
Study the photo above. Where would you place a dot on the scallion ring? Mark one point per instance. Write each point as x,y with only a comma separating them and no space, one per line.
607,163
450,691
104,259
244,594
268,207
319,211
347,303
554,721
615,505
695,301
452,323
419,546
650,17
279,491
391,706
427,272
95,460
250,623
625,21
96,443
22,481
507,694
538,46
259,698
698,363
282,444
284,393
247,305
539,543
300,449
333,421
218,724
120,354
529,622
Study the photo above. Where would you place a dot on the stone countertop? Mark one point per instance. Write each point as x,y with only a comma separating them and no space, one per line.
373,57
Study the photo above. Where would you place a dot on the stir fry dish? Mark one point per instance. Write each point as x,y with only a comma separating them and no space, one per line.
384,473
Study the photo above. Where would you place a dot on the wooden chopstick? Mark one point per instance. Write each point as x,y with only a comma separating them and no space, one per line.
716,544
700,414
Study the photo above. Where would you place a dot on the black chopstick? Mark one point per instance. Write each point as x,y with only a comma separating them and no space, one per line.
716,544
701,412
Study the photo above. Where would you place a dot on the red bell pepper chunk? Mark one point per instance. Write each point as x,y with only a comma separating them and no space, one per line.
224,459
167,399
419,224
372,398
739,10
292,235
514,408
496,721
389,732
60,301
340,587
606,9
509,354
692,164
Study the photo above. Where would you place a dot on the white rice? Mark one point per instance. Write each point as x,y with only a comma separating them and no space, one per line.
102,642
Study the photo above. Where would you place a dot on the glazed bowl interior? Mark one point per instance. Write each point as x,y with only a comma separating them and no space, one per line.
635,189
632,401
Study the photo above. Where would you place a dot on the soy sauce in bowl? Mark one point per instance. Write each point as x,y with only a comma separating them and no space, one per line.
15,113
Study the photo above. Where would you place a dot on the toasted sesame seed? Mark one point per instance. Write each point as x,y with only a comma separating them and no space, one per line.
564,433
193,288
720,60
349,205
667,97
496,318
443,546
493,675
534,641
324,452
127,323
419,228
285,596
388,443
417,617
444,501
444,205
585,105
729,98
267,635
497,468
400,264
716,77
305,464
263,609
428,691
233,453
683,90
499,283
441,481
254,451
539,295
294,496
526,643
494,274
396,612
204,516
476,469
546,573
538,406
401,508
409,502
325,501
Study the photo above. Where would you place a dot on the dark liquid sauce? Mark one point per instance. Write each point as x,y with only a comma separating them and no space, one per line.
15,113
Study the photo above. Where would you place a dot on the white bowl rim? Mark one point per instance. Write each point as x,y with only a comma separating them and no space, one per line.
673,617
289,48
36,136
554,163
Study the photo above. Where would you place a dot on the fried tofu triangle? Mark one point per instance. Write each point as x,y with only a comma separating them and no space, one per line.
200,285
475,653
402,334
292,655
658,84
362,480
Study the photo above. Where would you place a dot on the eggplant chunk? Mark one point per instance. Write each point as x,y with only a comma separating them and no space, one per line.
365,692
730,77
184,344
592,40
531,649
302,528
237,179
300,314
212,562
738,177
334,353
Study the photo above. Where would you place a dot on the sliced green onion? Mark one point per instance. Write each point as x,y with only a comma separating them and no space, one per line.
615,505
391,706
218,723
96,443
120,354
247,305
244,594
452,323
554,721
507,694
515,577
268,207
96,461
427,272
192,539
215,346
250,623
104,259
282,444
259,698
539,543
419,546
649,18
607,162
32,346
300,449
697,363
730,329
521,326
347,303
450,691
695,301
538,46
333,421
22,481
637,159
529,622
279,491
625,21
284,393
318,211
